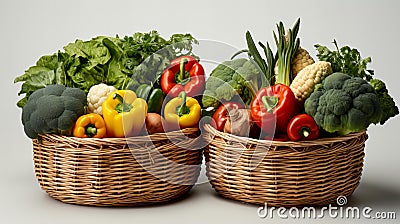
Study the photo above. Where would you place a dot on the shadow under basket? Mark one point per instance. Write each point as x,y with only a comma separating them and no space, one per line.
284,174
118,171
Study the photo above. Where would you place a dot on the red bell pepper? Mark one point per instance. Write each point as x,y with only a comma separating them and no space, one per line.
273,107
184,74
220,115
302,127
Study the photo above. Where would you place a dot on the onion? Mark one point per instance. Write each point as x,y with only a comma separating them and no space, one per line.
239,123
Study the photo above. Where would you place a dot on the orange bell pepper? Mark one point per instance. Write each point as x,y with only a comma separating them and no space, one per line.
89,126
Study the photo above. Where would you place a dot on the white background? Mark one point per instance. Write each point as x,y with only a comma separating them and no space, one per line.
30,29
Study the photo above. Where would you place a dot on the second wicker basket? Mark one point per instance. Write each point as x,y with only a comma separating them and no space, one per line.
284,173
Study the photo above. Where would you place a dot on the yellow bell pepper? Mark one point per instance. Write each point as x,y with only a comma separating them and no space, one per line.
89,126
182,110
124,113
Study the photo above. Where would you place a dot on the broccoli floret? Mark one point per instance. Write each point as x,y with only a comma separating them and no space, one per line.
230,79
389,108
209,98
227,90
213,82
344,104
54,108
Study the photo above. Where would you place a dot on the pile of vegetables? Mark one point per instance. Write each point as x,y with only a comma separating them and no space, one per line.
145,84
290,96
114,87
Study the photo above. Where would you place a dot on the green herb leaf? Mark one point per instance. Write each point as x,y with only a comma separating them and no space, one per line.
346,60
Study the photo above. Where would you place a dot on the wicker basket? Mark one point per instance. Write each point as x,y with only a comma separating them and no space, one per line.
284,173
118,171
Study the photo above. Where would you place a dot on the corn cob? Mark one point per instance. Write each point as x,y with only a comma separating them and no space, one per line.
300,60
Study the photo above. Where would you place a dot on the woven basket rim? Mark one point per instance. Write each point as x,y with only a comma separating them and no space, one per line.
321,141
108,140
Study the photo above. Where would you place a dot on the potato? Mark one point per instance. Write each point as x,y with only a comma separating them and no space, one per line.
154,123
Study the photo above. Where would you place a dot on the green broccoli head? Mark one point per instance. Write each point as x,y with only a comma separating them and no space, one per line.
344,104
249,70
209,99
54,108
388,106
229,79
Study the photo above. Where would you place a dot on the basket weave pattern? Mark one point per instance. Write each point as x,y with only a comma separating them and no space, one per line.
117,171
284,173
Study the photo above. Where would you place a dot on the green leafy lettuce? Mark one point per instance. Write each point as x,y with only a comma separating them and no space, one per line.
122,62
48,70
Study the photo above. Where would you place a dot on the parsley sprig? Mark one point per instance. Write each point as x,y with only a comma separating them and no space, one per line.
346,60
